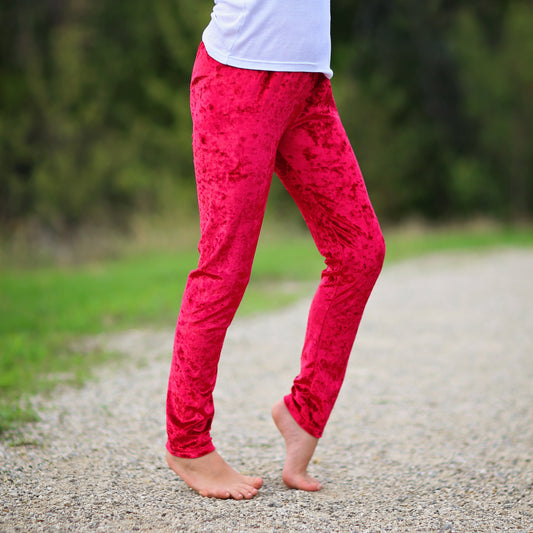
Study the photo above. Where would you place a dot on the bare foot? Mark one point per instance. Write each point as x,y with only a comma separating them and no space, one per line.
300,448
212,477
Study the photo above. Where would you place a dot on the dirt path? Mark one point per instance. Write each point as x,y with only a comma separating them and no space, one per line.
433,430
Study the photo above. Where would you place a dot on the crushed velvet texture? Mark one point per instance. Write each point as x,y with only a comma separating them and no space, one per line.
246,125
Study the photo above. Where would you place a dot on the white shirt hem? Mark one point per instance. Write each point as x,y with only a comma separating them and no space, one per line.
250,64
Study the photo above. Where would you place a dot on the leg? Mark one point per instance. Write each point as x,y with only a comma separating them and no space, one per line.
318,168
236,129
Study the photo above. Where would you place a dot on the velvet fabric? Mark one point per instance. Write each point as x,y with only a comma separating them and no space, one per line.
246,125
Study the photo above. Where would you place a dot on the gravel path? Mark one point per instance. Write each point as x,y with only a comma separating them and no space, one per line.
432,432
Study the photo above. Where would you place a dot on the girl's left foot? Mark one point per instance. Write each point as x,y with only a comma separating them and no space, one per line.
212,477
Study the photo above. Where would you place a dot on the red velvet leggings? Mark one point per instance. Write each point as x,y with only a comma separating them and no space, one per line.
246,125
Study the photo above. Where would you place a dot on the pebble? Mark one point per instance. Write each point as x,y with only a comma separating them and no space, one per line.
432,431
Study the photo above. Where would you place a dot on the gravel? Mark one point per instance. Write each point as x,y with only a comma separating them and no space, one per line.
432,432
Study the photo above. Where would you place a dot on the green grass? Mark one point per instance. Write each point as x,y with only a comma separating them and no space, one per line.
404,244
44,310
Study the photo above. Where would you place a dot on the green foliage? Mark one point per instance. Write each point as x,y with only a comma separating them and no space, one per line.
498,88
94,121
437,100
95,125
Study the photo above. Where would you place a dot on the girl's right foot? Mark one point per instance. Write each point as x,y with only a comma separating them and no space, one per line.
300,448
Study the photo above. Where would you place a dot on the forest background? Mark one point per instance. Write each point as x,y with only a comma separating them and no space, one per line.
436,97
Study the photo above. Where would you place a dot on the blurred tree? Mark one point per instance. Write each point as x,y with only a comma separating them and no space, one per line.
403,90
95,125
498,89
94,120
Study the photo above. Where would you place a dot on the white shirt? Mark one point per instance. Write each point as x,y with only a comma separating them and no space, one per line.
280,35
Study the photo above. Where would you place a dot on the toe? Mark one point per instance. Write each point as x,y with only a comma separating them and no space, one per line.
246,491
221,494
255,482
236,493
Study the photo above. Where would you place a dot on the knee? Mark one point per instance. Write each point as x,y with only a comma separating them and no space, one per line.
365,256
377,252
